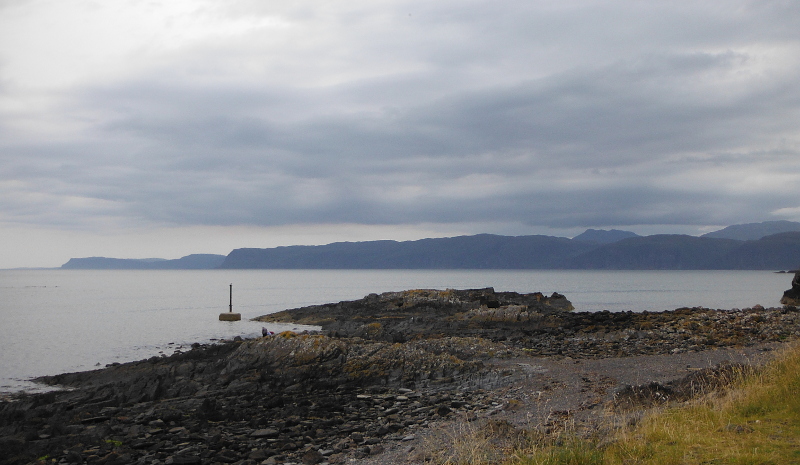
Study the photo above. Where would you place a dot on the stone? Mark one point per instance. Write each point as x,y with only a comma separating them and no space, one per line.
258,455
376,449
186,459
227,456
312,457
739,429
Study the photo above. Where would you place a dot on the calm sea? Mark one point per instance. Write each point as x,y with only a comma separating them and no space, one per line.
56,321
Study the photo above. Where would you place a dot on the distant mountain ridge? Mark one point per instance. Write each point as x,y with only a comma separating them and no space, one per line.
680,252
189,262
594,249
485,251
658,252
603,236
754,231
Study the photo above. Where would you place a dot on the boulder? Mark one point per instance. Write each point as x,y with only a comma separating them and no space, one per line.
792,296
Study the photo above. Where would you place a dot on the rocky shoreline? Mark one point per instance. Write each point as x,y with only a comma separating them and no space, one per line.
541,325
380,373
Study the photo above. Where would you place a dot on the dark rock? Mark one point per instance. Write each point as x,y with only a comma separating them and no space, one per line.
100,419
258,455
73,457
227,456
312,457
792,296
11,446
265,433
376,449
401,316
186,459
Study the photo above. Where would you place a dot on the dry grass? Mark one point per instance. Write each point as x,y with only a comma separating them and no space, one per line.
473,443
751,418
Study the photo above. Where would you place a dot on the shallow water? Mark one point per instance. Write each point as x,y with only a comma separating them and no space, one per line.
56,321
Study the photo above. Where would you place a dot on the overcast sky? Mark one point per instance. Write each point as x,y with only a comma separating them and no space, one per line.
157,129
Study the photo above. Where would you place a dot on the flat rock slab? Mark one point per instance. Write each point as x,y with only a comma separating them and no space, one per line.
265,433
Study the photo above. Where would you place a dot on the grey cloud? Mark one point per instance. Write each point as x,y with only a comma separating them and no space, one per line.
582,111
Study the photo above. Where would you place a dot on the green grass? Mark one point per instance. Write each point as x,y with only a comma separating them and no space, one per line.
756,420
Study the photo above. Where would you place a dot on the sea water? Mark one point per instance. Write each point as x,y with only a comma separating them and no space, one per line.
55,321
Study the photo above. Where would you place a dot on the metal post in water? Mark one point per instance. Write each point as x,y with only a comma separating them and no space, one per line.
230,316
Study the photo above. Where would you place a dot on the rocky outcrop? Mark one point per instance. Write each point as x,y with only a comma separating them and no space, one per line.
538,325
291,397
422,313
792,296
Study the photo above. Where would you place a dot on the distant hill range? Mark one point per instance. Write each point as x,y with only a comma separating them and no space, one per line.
594,249
754,231
602,236
189,262
485,251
